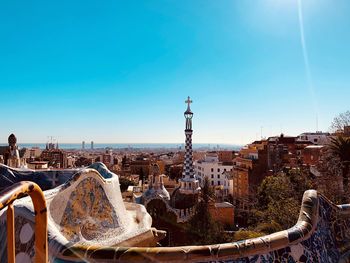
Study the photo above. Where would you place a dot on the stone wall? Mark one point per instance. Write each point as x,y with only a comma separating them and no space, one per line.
322,234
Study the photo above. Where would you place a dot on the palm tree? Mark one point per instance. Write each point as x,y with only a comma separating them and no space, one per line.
340,147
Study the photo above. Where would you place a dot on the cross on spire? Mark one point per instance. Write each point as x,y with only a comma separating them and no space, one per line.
188,101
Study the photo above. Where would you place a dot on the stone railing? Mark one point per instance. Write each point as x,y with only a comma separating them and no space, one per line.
322,234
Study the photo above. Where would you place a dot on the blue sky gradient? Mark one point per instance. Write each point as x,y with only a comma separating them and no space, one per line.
120,71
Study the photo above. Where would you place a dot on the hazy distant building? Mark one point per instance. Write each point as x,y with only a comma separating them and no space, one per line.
108,158
140,166
51,146
30,154
83,145
35,152
225,156
55,157
92,145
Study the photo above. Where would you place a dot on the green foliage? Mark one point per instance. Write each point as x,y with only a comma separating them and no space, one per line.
175,172
273,188
278,201
301,180
269,228
329,183
203,229
340,148
284,212
125,183
246,234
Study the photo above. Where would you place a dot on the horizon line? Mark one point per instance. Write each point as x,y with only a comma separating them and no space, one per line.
88,142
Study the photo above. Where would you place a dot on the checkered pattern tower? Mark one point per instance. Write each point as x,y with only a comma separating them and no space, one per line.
189,183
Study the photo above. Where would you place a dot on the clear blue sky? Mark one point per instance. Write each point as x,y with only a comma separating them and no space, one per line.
120,71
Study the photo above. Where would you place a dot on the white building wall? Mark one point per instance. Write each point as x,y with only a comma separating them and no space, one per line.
214,172
315,138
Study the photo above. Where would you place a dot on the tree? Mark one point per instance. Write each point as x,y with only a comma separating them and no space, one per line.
301,180
175,172
277,202
329,176
340,147
125,183
340,121
202,227
142,175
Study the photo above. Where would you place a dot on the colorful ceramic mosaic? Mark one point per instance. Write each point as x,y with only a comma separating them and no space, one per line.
88,212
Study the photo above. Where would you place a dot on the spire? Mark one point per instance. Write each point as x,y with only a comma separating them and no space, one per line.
188,114
188,101
189,184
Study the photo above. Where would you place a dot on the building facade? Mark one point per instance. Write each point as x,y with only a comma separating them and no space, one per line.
55,157
211,168
317,138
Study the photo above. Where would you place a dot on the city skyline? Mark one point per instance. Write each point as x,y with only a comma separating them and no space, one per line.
115,72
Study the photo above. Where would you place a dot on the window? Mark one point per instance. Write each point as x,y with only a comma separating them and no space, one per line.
212,176
212,169
225,170
218,170
218,176
212,182
218,182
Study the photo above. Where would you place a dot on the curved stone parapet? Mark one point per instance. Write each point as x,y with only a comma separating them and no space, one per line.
322,234
89,222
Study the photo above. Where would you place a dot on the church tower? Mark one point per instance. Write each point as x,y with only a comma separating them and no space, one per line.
189,183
